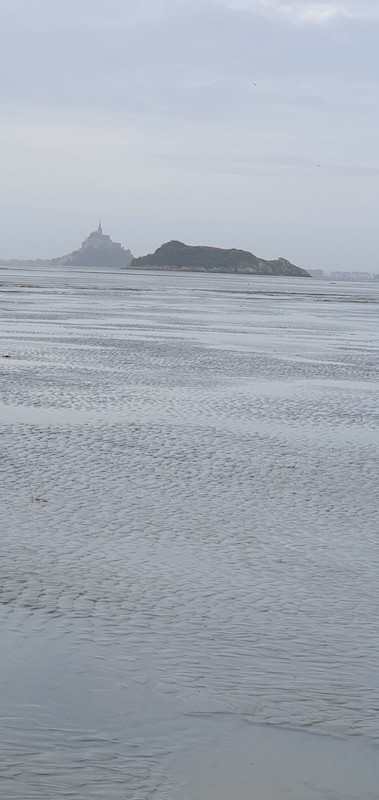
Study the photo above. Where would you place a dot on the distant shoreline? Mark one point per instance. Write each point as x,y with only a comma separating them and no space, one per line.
46,264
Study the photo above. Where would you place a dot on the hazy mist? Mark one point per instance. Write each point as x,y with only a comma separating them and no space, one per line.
148,114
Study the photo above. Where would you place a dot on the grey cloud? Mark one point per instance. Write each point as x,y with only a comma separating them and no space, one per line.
170,57
308,11
138,105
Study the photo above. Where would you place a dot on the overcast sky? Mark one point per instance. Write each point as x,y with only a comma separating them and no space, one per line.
145,112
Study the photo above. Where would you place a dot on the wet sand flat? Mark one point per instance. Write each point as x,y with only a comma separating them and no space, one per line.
189,553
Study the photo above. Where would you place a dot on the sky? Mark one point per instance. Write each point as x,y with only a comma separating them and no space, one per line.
235,123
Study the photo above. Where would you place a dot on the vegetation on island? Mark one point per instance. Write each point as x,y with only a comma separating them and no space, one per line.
176,255
98,250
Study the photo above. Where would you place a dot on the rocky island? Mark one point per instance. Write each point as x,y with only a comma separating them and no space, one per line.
176,255
97,250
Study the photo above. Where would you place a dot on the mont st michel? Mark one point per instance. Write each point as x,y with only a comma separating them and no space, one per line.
100,251
97,250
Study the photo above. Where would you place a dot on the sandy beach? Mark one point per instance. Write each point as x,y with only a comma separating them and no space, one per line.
189,551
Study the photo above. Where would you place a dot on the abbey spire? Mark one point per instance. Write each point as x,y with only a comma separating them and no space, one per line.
98,250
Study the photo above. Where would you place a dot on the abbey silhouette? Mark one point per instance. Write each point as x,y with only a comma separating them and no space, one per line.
97,250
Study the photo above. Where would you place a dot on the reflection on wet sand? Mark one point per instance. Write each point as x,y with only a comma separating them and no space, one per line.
188,560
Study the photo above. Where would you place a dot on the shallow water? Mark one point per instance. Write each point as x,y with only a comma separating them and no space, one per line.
189,555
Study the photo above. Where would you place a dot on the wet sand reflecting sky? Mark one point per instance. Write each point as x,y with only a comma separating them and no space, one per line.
189,550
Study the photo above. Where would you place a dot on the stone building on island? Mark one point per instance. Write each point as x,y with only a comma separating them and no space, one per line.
97,250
